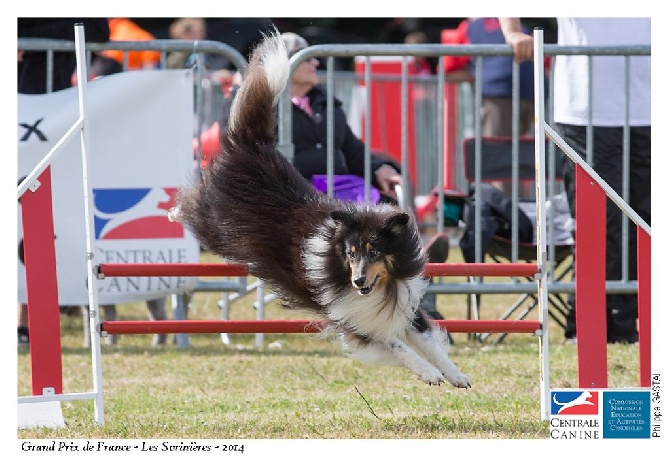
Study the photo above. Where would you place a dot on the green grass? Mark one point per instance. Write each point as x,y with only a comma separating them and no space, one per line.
301,387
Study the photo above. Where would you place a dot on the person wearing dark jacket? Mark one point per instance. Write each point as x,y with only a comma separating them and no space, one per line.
310,136
32,65
310,133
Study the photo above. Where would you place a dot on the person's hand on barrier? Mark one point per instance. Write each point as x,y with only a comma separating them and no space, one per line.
387,178
521,42
522,45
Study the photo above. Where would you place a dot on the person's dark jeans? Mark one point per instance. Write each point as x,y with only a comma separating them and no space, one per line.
608,164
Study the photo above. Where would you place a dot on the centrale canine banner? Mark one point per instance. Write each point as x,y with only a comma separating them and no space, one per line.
140,132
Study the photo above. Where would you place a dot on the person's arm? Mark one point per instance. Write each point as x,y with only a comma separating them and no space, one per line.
384,174
521,42
459,76
457,68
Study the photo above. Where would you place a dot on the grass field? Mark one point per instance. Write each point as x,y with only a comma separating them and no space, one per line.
302,387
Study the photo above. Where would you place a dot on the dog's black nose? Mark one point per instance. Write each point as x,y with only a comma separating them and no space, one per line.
359,281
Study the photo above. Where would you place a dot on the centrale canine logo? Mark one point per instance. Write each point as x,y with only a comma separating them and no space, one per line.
134,213
574,402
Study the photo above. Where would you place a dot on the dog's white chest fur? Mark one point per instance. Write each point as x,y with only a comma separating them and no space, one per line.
372,315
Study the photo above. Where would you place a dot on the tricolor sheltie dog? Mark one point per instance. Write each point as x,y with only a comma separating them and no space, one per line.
358,266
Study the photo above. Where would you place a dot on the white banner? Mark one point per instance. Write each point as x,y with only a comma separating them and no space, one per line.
140,130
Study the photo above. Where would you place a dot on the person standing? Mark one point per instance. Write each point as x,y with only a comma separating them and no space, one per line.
195,29
497,85
421,65
124,29
32,65
606,107
185,28
496,78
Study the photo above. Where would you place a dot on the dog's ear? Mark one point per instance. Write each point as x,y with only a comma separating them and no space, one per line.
342,217
396,223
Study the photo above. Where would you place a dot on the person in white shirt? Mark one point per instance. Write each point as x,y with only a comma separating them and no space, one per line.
606,111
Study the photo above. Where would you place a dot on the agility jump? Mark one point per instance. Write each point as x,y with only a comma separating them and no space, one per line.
299,326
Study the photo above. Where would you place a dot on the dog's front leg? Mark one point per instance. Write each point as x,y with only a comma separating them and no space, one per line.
393,353
434,345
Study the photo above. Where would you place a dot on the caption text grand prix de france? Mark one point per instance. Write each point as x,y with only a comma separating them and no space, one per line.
143,446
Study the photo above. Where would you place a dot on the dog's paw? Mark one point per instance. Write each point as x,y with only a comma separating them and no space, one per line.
173,214
432,376
460,380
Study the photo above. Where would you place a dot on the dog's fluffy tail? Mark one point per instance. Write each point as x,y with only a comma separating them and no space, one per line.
252,113
250,205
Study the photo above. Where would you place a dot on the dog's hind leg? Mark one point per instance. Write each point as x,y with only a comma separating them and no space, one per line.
392,353
433,344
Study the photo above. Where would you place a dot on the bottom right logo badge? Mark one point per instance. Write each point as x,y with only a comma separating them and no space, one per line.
600,414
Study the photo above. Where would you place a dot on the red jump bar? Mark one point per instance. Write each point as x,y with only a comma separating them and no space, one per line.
294,326
240,270
173,270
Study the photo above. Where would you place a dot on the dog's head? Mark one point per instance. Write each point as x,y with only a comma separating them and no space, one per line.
370,244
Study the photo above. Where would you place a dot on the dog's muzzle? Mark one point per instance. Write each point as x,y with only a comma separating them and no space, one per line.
365,290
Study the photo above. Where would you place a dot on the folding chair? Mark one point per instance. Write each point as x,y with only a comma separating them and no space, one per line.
496,165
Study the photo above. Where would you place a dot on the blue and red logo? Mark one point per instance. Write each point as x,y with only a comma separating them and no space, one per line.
135,213
574,402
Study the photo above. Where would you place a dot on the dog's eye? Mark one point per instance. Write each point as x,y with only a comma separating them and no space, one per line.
352,255
372,254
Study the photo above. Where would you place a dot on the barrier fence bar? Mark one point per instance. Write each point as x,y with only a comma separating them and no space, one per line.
235,270
295,326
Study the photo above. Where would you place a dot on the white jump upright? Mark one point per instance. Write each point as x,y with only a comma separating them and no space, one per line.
93,306
541,222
